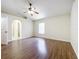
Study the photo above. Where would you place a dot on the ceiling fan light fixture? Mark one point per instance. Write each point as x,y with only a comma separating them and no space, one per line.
30,12
33,9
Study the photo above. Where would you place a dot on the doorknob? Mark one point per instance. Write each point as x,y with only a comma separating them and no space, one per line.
6,31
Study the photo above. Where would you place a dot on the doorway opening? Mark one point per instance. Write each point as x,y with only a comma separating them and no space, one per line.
16,30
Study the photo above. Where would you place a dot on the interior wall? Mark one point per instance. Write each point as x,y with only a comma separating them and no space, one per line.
57,27
26,26
74,26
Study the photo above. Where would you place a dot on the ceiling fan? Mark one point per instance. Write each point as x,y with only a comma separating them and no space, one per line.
31,10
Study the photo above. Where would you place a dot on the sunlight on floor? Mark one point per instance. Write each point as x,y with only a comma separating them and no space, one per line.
42,46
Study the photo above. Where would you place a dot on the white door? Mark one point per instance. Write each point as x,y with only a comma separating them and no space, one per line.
4,30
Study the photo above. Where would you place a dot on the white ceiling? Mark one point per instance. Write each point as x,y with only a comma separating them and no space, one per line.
46,8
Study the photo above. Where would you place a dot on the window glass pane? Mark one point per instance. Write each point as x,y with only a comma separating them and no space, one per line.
41,28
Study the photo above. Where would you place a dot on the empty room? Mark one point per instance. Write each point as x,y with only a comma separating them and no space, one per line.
39,29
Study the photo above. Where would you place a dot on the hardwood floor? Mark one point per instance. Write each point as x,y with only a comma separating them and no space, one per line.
38,48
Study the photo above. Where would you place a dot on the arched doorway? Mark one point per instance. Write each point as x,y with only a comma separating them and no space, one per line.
16,30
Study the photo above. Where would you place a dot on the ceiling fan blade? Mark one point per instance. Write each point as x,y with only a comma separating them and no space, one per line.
36,12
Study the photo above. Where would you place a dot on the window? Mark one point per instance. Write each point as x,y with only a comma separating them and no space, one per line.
41,28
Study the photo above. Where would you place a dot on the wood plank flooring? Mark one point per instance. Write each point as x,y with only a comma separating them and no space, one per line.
38,48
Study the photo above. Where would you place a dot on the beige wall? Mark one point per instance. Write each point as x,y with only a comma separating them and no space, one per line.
27,26
74,26
55,27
